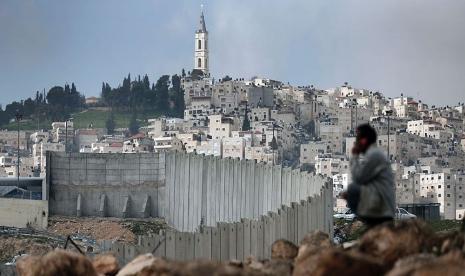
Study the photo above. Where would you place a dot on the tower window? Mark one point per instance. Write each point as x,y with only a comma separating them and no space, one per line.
200,44
199,62
205,46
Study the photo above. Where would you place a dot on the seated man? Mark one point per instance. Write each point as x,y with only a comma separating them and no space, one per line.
371,193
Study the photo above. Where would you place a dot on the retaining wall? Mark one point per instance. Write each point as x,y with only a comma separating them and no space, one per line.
116,185
23,213
236,240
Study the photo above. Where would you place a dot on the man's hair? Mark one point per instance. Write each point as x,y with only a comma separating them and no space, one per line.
368,132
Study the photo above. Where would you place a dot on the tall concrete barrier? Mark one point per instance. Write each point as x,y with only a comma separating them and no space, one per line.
189,191
203,191
235,240
115,185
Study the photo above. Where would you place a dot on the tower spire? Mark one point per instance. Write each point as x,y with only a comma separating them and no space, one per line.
202,27
201,46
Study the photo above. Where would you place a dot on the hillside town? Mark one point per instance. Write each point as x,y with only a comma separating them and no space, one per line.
276,123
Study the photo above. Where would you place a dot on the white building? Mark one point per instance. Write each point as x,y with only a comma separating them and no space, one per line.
10,138
260,154
63,132
201,59
167,143
234,147
39,153
210,147
39,136
221,127
309,151
430,129
329,165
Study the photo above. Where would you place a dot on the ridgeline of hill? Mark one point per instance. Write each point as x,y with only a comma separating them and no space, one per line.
95,117
127,106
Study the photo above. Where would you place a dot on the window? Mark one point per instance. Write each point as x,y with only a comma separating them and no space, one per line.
448,195
448,186
439,195
199,62
460,205
439,186
199,44
439,177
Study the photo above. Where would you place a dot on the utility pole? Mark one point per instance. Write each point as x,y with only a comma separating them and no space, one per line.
388,115
19,117
66,136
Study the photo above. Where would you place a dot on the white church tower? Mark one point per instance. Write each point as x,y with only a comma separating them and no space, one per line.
201,47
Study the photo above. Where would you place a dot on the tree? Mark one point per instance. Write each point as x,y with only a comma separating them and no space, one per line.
226,78
133,125
178,96
246,122
197,74
310,128
307,168
161,91
110,124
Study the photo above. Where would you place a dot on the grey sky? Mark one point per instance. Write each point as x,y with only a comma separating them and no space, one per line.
412,46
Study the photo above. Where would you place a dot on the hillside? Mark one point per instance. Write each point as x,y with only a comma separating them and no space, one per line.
92,116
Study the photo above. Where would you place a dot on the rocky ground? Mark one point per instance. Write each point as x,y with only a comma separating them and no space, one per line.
84,231
404,248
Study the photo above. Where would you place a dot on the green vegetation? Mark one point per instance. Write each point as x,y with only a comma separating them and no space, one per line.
140,227
28,125
98,118
444,225
135,96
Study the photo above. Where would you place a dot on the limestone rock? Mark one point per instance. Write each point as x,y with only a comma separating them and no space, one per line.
25,264
335,261
137,265
61,262
283,249
393,241
312,243
106,264
408,265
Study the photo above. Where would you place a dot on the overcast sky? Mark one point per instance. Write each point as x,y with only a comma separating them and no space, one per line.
415,47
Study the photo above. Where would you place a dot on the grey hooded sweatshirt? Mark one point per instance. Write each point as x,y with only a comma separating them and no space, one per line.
375,180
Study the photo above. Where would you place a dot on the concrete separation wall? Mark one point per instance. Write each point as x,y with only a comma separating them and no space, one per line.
23,213
190,191
236,240
116,185
204,190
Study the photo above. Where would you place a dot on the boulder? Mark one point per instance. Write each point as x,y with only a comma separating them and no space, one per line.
393,241
283,250
335,261
24,265
312,243
407,265
106,264
452,264
61,262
